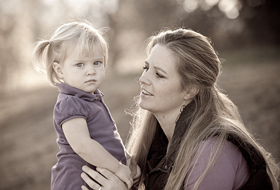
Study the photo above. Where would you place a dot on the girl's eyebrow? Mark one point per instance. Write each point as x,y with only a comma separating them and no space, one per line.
86,59
157,68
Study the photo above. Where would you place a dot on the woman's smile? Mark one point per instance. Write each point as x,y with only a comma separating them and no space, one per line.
146,93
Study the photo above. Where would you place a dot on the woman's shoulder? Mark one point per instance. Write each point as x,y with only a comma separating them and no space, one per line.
228,151
229,167
213,142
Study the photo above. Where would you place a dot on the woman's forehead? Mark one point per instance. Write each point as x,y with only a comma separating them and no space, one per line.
161,56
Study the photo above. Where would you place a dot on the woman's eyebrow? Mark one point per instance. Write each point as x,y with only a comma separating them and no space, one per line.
160,69
157,68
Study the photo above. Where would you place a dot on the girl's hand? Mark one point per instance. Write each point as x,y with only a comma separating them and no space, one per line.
135,169
124,174
104,177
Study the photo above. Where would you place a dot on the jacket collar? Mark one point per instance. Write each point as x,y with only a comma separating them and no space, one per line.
69,90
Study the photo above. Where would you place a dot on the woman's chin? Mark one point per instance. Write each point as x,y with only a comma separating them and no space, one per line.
144,105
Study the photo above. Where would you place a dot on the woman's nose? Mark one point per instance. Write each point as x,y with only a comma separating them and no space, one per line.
144,78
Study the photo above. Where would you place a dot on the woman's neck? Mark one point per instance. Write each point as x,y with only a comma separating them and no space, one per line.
168,122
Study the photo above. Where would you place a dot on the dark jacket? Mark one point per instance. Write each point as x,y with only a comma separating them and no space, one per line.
159,164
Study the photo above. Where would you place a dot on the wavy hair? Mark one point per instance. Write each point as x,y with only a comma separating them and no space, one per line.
214,113
78,36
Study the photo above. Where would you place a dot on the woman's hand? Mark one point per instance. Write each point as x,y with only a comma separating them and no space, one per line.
105,178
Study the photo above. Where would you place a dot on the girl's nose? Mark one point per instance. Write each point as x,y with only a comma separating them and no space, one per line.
91,70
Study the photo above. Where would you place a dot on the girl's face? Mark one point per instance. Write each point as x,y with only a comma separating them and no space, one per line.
161,91
85,72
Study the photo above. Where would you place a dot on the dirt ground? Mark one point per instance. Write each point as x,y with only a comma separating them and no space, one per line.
27,137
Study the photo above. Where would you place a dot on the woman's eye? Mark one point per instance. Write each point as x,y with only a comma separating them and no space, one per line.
79,64
159,75
145,67
97,63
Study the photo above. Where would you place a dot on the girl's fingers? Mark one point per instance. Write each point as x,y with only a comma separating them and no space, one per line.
113,182
106,173
112,177
89,181
128,162
84,188
133,160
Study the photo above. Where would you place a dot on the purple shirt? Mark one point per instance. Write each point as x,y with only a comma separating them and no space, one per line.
230,171
74,103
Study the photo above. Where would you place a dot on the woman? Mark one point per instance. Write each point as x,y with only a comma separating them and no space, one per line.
186,133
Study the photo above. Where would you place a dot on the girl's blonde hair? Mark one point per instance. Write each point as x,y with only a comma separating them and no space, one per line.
78,36
214,113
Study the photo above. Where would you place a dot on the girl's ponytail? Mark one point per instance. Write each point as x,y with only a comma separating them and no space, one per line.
43,59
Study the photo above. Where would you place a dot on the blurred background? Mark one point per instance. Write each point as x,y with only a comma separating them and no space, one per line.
245,33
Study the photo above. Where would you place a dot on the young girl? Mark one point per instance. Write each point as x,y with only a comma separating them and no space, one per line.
74,59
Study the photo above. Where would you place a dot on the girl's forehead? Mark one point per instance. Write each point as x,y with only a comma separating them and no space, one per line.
95,50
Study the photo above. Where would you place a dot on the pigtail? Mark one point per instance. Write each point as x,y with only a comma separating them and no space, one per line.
43,58
39,59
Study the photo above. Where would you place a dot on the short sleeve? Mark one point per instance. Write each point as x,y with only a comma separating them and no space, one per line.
69,108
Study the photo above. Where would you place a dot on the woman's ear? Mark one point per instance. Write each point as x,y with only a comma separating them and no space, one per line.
58,70
191,91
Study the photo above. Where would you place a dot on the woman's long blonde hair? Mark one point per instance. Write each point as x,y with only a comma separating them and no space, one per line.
78,36
214,113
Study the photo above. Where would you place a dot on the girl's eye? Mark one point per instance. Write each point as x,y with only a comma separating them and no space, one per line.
97,63
80,64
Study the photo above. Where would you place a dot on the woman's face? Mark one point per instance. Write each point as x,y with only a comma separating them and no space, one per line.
161,90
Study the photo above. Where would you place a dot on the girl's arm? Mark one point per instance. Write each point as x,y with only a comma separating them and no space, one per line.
77,134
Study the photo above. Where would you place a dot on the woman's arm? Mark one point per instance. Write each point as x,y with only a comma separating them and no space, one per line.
77,134
106,179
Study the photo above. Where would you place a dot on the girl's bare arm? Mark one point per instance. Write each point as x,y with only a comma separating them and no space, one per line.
77,134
